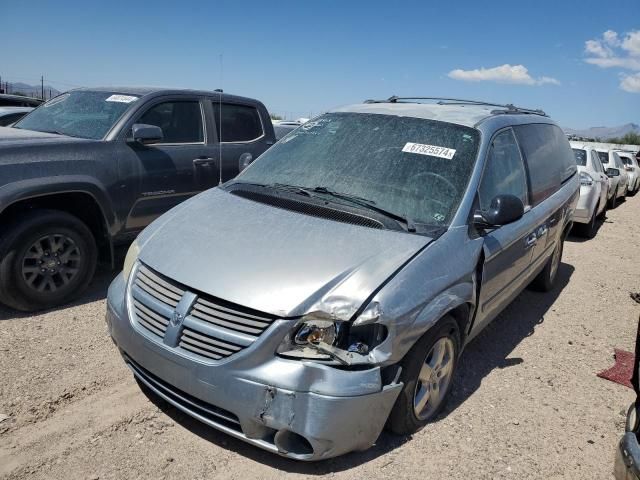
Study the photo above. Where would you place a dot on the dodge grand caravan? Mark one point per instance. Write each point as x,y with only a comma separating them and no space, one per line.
330,289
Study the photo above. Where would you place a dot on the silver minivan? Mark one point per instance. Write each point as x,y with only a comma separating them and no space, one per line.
330,288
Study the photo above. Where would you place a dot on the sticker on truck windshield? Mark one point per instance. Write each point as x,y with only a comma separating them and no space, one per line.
432,150
121,98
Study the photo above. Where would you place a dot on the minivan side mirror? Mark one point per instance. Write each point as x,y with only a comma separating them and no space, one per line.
145,134
613,172
503,209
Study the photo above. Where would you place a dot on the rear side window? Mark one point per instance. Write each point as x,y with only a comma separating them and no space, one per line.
181,122
237,123
549,158
604,157
625,160
504,171
581,156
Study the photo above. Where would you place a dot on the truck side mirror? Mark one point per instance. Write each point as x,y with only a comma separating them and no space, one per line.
613,172
145,134
504,209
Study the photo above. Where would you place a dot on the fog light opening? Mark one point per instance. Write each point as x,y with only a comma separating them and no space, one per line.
290,442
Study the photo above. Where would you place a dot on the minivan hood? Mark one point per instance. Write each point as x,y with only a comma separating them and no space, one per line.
273,260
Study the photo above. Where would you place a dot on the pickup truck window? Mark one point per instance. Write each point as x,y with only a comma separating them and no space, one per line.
239,123
181,122
79,113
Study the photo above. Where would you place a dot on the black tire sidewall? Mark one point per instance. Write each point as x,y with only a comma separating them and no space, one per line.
402,419
22,234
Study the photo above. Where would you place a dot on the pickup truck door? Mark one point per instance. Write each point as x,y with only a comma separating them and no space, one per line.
174,169
600,177
242,134
507,249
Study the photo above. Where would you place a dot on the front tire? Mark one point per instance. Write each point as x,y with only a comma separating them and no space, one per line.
47,258
427,373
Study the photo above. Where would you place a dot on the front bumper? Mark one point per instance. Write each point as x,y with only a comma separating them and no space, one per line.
298,409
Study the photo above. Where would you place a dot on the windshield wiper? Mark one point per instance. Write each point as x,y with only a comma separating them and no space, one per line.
56,132
369,204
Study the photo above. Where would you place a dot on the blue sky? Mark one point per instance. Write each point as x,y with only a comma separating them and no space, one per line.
306,57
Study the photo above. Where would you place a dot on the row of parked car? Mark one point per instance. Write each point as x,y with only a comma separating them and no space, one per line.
318,294
605,177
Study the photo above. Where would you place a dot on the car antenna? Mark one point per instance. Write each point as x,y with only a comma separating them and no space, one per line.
219,90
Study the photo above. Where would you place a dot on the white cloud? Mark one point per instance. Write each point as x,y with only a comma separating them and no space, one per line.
631,43
517,74
610,51
611,38
630,83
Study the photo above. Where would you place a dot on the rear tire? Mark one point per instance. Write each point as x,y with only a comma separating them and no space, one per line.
546,279
423,360
47,258
589,230
603,214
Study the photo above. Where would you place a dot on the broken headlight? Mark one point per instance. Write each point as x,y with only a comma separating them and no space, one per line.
323,339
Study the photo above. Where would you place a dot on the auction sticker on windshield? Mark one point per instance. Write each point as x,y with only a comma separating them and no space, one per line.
121,98
432,150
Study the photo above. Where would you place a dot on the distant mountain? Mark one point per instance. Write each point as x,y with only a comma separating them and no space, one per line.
605,132
32,90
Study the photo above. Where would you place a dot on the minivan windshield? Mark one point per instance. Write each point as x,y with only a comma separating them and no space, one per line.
581,156
413,167
78,113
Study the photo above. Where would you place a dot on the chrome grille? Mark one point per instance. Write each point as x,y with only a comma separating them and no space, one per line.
150,319
157,287
215,314
206,345
205,327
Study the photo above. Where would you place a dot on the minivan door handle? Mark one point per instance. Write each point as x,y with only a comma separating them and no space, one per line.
530,241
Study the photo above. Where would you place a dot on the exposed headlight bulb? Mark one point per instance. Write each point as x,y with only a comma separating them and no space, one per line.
316,331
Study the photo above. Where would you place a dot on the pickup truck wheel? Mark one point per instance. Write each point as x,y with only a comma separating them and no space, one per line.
614,200
47,258
427,373
546,279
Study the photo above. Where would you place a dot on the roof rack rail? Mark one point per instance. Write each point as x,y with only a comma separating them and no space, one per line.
509,107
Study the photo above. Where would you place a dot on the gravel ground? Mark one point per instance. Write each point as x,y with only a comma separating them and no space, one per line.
526,401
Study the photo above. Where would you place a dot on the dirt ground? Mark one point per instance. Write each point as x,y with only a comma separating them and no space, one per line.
526,401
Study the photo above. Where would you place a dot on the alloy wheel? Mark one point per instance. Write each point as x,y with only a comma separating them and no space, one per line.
434,378
51,263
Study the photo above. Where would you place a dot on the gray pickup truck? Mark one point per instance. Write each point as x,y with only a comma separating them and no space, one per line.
91,168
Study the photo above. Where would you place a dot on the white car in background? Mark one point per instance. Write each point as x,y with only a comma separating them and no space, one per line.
614,169
594,189
633,171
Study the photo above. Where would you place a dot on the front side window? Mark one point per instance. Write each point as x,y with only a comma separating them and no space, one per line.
79,113
413,167
581,156
504,171
625,160
604,157
180,121
237,123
